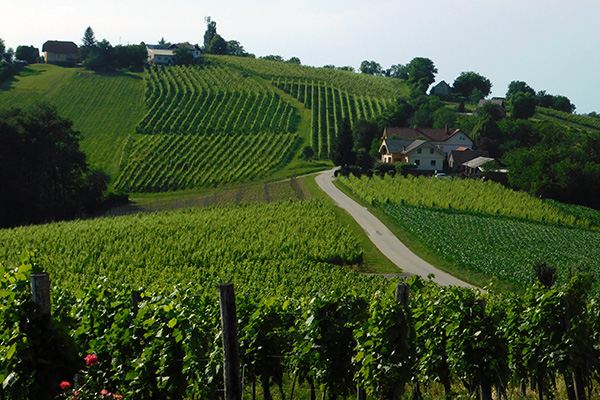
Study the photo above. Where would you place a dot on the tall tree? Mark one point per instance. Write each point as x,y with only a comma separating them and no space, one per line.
421,73
210,33
218,45
88,43
342,152
467,82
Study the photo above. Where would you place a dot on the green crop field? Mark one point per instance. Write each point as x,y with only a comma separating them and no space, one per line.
486,228
259,246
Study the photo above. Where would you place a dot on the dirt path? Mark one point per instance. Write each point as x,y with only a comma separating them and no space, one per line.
382,237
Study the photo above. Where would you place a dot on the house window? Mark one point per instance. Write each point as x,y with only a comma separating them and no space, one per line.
430,151
417,162
419,151
461,138
433,163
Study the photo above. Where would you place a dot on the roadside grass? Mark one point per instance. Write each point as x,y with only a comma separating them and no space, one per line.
374,261
432,257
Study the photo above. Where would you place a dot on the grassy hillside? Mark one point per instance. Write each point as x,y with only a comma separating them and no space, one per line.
105,108
228,121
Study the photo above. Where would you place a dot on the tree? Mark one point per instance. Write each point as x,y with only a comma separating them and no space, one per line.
346,68
370,68
294,60
234,48
27,53
397,71
342,152
183,56
218,45
42,170
210,33
100,58
467,82
364,132
487,135
518,87
163,42
307,153
88,42
272,57
421,73
522,105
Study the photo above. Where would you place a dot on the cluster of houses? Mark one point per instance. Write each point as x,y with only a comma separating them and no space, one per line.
66,53
433,150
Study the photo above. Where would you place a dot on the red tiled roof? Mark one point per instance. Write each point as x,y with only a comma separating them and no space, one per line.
56,46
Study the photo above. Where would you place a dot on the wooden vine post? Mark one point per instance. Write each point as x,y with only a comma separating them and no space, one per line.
40,291
231,351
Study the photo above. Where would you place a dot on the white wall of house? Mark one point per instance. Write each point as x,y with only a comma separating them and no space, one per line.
426,158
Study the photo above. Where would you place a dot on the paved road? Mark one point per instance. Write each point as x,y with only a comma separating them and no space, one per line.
382,237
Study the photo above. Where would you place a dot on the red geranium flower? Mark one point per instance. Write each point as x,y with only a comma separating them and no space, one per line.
91,359
65,385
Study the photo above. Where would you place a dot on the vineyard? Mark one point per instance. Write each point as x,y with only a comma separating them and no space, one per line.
330,106
475,196
212,99
582,120
159,163
501,236
453,342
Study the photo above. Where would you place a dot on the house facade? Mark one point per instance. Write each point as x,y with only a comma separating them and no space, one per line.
425,155
61,53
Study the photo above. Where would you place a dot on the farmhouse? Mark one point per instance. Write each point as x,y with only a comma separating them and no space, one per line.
425,155
496,101
165,55
446,139
60,53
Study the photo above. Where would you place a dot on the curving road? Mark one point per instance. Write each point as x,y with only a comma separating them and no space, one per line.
382,237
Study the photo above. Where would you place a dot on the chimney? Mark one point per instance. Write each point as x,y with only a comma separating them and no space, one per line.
447,130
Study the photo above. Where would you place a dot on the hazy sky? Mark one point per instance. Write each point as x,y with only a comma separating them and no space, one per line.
553,45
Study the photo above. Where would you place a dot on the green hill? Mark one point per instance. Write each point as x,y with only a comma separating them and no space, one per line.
227,121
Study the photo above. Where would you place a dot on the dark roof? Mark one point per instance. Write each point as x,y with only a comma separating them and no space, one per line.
421,143
184,46
395,145
459,157
57,46
433,135
157,47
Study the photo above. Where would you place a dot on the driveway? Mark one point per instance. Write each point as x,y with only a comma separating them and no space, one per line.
382,237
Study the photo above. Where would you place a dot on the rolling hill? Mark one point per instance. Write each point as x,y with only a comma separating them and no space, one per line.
228,121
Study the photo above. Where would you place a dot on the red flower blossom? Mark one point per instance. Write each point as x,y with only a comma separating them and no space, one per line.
104,392
65,385
91,359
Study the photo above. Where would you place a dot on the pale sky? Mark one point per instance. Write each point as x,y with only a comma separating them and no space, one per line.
553,45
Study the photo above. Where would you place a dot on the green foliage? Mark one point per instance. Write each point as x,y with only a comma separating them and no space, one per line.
516,87
342,152
467,82
217,45
27,53
421,73
522,105
370,68
43,171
